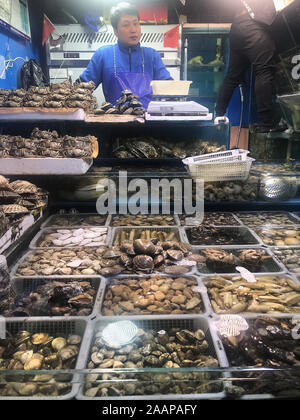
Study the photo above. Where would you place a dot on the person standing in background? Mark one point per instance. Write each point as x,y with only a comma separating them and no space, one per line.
251,43
125,65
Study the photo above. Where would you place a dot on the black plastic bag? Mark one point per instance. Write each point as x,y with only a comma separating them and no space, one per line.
32,74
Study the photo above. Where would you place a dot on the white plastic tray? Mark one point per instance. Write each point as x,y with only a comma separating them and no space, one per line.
51,326
44,166
106,282
157,323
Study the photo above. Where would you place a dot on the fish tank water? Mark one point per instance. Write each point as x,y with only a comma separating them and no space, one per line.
206,54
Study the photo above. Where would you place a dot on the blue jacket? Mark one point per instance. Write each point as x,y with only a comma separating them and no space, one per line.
128,59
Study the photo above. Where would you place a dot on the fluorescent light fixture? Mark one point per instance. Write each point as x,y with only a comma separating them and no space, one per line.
118,334
231,325
281,4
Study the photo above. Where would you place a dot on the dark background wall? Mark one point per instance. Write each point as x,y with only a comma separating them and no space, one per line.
12,46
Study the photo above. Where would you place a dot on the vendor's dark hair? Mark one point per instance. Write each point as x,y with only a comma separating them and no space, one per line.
120,10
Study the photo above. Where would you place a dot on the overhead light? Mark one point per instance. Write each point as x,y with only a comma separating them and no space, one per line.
118,334
281,4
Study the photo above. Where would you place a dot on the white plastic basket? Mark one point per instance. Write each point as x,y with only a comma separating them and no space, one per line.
222,170
224,156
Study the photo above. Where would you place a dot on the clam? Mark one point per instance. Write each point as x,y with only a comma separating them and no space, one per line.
176,270
22,337
142,246
111,271
174,254
39,338
74,339
68,352
143,263
111,253
34,363
58,343
23,356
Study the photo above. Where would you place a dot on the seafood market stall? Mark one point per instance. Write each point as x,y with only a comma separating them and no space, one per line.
152,305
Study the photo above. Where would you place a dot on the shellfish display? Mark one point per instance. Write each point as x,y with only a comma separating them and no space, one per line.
55,298
140,147
168,348
269,294
232,190
218,260
139,256
19,198
33,351
145,234
211,219
143,220
268,342
69,238
279,236
209,235
267,218
57,95
127,104
151,296
43,143
290,257
78,220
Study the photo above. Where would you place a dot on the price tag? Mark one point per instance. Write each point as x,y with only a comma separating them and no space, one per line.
187,262
199,289
246,274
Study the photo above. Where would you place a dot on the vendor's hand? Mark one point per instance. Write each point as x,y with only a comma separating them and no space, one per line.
221,120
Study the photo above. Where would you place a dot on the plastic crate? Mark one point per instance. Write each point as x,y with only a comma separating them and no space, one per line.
221,171
107,282
157,323
40,236
269,265
248,237
22,286
59,326
224,156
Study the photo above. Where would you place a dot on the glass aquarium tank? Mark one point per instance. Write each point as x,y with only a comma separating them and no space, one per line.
205,57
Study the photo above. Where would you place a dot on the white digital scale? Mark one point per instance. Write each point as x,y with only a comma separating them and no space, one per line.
179,110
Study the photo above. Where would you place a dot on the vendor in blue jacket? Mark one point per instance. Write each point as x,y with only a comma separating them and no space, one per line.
126,65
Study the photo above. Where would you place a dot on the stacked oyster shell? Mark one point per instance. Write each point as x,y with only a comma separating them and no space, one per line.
43,143
19,198
127,104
